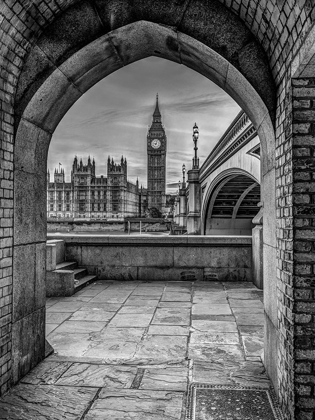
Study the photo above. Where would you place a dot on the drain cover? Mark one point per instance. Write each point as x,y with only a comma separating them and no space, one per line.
214,402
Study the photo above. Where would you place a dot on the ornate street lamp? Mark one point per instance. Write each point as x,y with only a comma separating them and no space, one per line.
184,179
195,139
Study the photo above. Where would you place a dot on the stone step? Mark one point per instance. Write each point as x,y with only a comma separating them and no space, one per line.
84,281
80,272
67,265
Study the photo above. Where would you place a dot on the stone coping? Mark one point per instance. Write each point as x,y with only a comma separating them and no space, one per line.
154,240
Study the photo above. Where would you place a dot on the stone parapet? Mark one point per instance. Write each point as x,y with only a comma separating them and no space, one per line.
173,258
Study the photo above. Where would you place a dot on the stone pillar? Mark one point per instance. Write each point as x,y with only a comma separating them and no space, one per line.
182,207
193,217
257,249
176,218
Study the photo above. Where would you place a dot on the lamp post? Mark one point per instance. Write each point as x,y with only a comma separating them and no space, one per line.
195,139
193,221
184,178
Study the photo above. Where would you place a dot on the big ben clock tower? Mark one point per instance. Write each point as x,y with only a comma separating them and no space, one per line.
156,149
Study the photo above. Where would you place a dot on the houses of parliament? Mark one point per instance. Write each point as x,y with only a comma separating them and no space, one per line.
98,197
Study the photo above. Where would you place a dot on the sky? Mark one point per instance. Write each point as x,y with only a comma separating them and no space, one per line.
112,119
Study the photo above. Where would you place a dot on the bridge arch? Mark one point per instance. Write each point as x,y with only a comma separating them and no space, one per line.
247,184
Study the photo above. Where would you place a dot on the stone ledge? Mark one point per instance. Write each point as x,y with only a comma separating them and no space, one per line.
157,241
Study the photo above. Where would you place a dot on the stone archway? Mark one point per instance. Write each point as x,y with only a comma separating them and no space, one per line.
62,64
40,109
38,37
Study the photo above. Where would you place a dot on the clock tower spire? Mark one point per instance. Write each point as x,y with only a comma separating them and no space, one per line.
156,151
156,113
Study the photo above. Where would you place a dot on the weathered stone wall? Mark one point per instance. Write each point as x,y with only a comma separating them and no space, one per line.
178,258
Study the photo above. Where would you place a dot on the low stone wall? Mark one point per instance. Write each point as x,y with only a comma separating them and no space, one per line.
223,258
84,226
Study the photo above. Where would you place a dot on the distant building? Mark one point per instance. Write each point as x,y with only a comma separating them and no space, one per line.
91,197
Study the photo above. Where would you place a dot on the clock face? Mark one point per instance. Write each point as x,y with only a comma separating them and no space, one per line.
155,143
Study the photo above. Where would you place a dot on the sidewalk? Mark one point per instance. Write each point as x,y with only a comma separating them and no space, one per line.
129,350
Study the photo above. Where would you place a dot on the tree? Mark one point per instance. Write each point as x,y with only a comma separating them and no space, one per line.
154,213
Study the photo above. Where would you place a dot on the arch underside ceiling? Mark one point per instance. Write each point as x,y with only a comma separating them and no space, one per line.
210,23
266,20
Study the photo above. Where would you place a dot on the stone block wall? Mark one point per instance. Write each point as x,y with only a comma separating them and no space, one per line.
173,258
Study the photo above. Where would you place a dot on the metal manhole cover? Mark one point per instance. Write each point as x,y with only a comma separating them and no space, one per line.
215,402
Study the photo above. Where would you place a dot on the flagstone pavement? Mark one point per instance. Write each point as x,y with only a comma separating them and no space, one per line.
129,350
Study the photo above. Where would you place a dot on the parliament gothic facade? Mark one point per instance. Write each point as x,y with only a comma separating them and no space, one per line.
97,197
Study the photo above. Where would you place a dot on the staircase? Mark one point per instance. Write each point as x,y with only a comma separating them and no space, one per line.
63,278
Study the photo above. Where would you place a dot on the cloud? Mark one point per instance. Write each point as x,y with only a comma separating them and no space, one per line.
112,118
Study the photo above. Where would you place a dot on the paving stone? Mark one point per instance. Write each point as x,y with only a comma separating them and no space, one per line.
80,327
137,310
211,373
56,318
77,299
91,314
137,404
212,309
130,320
102,285
66,344
62,306
253,319
109,307
253,345
161,348
152,284
213,353
256,330
172,316
214,326
247,303
50,303
49,402
123,285
206,299
84,374
212,286
149,291
88,292
182,285
170,379
111,296
229,318
244,295
176,297
141,301
115,345
218,338
242,373
50,328
46,372
174,304
168,330
238,285
246,310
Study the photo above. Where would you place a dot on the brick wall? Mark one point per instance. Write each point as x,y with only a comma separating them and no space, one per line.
281,27
302,155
